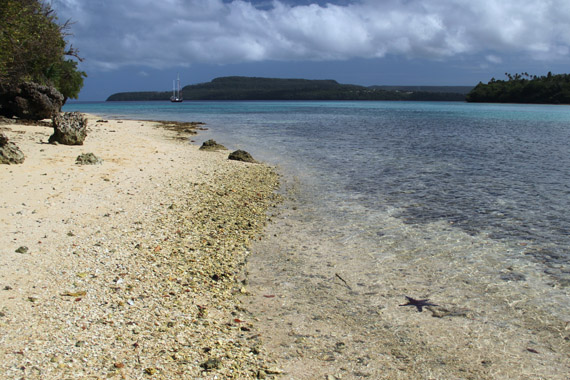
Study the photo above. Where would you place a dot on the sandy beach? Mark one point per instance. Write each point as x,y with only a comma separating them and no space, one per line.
132,268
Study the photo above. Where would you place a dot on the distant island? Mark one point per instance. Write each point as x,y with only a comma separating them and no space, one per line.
254,88
524,88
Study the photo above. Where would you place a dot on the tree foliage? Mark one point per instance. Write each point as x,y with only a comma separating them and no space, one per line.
33,47
524,88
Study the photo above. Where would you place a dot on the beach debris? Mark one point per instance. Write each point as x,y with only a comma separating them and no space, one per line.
343,280
212,363
88,159
441,312
22,249
419,304
70,128
150,371
9,152
80,293
181,128
273,371
241,155
212,145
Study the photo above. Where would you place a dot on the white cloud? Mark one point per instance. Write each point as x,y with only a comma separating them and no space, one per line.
180,32
493,58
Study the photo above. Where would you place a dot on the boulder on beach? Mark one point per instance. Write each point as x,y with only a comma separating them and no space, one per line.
212,145
88,159
69,128
9,152
30,101
241,155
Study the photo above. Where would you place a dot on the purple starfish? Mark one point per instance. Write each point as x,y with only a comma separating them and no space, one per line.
418,303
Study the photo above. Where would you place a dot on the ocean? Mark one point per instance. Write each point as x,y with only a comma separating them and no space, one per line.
460,203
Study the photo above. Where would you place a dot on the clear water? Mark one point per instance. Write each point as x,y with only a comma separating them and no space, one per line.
497,173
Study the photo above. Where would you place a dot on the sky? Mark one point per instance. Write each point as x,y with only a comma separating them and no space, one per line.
142,45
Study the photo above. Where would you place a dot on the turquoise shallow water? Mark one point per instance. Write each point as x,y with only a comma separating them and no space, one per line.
495,169
494,172
462,204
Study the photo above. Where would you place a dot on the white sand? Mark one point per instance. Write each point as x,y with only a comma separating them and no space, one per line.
117,278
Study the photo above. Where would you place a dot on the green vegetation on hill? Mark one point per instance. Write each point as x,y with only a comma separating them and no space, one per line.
252,88
431,89
33,48
524,88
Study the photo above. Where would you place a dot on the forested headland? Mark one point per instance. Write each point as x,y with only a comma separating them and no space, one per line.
253,88
524,88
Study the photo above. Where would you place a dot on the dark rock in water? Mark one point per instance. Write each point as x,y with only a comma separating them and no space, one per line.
30,101
70,128
9,152
88,159
241,155
212,145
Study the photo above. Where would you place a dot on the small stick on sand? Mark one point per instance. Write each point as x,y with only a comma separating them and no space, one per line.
342,279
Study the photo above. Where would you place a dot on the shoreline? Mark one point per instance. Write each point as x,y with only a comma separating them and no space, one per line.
164,302
134,267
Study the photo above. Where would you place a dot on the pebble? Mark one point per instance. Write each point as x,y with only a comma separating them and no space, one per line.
22,249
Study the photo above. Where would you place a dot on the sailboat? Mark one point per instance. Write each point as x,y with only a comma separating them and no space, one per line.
176,97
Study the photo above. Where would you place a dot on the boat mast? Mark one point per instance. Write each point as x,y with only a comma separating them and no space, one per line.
178,80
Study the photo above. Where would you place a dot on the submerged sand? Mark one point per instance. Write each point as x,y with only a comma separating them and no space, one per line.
131,268
330,303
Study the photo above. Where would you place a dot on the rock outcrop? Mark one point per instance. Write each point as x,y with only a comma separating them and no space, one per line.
69,128
30,101
9,152
212,145
88,159
241,155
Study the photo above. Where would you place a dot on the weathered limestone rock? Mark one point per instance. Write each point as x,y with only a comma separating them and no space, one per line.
241,155
9,152
70,128
88,159
30,101
212,145
5,120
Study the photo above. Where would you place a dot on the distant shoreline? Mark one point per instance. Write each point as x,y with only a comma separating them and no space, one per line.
252,88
